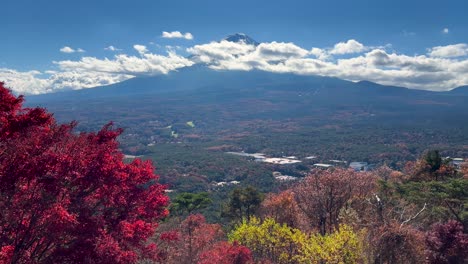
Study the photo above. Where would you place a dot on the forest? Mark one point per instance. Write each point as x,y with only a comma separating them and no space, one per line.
69,196
186,130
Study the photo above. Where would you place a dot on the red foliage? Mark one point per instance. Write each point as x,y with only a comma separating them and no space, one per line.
68,197
394,243
447,243
226,253
189,240
6,254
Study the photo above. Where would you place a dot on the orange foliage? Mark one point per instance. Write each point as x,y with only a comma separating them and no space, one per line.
323,194
283,208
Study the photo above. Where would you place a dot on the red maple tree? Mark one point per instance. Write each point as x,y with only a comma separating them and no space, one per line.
68,197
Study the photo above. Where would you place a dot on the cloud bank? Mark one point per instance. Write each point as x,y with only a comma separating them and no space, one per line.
457,50
442,68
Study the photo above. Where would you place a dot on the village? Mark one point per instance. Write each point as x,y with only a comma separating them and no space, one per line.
358,166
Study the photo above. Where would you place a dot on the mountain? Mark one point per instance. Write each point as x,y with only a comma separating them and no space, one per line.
371,87
462,90
241,37
194,78
200,79
274,113
212,97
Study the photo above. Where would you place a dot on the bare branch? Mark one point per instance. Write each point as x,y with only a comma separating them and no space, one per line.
413,217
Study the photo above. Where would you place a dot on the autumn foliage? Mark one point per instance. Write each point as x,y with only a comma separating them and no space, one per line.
68,197
283,208
272,242
196,241
446,243
226,253
324,194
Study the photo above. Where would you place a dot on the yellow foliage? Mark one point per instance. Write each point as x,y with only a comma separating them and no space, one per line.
282,244
342,246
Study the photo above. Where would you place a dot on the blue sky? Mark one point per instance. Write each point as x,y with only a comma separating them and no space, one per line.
35,31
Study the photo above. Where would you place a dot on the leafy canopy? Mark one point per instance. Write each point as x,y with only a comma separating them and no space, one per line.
279,243
68,197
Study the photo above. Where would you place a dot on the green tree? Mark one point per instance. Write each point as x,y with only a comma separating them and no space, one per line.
243,203
187,203
430,167
445,199
433,159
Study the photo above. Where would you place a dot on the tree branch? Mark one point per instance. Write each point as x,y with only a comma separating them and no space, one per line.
413,217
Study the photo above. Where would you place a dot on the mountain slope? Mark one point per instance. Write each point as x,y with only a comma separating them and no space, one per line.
269,112
462,90
241,37
200,79
190,78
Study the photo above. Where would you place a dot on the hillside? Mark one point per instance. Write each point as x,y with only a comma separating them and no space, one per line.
275,114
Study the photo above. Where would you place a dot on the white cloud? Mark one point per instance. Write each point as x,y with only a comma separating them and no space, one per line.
84,79
188,36
456,50
319,53
90,72
242,56
25,82
214,52
442,68
140,48
112,48
420,72
177,34
67,49
445,30
279,50
169,47
348,47
34,82
146,64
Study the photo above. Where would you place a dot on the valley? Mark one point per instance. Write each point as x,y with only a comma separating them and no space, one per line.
234,132
187,131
